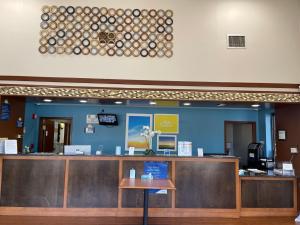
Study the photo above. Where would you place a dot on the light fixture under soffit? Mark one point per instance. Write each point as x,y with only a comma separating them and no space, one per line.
47,100
152,103
187,103
118,102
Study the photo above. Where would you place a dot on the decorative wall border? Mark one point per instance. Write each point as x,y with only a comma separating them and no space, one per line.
151,94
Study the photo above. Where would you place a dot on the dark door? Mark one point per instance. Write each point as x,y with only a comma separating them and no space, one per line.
46,135
54,133
238,135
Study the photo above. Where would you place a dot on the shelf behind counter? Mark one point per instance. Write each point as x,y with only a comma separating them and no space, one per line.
89,186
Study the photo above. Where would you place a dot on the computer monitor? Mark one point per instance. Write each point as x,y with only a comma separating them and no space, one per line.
77,149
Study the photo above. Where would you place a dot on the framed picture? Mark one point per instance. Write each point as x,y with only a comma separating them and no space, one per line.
134,127
167,142
281,135
166,123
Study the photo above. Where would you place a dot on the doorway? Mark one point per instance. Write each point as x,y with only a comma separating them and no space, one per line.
54,133
238,135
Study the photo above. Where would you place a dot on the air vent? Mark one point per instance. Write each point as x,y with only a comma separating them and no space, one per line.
236,41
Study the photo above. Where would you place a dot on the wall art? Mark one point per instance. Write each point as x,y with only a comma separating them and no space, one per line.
106,31
134,128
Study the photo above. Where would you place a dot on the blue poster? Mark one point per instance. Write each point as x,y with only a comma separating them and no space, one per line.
5,111
159,170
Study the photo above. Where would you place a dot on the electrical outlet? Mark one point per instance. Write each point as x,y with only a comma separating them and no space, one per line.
294,150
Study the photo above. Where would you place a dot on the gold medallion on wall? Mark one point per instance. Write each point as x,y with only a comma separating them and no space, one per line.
106,31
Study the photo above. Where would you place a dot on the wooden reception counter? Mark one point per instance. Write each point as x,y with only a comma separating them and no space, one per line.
89,186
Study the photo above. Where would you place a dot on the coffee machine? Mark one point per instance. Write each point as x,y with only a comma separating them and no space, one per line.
255,153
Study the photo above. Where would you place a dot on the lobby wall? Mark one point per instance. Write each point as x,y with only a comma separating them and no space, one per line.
203,126
271,27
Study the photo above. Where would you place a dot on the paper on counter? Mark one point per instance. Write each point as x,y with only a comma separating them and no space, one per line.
10,147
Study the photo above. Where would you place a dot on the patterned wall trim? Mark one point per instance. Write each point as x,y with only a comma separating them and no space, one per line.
155,94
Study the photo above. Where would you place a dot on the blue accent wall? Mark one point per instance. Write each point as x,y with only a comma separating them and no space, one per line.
204,127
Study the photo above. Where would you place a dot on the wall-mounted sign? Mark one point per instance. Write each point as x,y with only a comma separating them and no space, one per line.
166,123
92,119
281,135
19,123
89,129
5,111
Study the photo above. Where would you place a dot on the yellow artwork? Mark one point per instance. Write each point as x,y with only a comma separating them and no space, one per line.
166,123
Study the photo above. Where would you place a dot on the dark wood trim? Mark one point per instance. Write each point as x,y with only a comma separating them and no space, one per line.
148,82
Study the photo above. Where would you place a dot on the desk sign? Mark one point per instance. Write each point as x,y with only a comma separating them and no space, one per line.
159,170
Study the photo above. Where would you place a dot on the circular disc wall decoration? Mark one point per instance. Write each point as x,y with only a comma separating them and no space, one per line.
92,30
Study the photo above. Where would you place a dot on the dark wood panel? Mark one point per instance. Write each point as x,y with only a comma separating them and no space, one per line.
267,194
32,183
8,127
93,184
205,185
21,220
288,119
134,198
146,82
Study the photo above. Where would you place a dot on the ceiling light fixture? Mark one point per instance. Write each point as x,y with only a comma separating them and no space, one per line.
118,102
255,105
187,103
47,100
152,103
83,101
221,105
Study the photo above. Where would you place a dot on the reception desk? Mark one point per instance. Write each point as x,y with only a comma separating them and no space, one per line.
89,186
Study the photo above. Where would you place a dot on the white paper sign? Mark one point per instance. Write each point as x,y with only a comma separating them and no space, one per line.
287,166
92,119
200,152
131,150
184,148
10,147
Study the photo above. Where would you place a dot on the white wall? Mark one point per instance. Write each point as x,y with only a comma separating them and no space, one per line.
200,27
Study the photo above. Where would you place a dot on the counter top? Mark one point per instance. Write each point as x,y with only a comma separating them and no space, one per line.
137,156
265,176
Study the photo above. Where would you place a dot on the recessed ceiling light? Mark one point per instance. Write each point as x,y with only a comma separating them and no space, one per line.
187,103
255,105
152,103
118,102
83,101
47,100
221,105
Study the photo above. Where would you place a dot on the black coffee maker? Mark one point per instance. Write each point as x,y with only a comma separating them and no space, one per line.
255,153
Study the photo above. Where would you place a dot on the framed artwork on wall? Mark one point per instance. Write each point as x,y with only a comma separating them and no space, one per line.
134,128
166,123
167,142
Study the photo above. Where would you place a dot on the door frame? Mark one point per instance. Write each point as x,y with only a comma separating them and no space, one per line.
253,123
54,118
